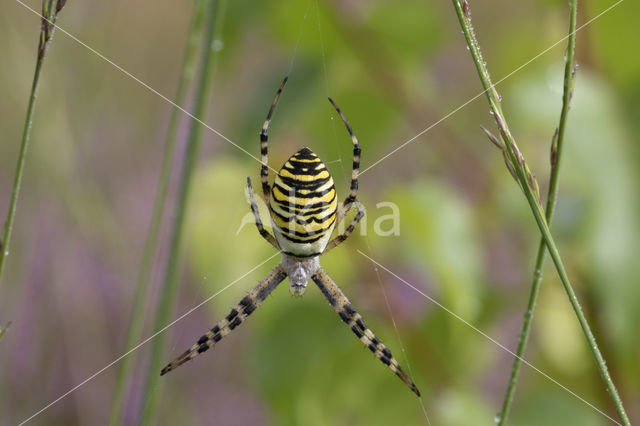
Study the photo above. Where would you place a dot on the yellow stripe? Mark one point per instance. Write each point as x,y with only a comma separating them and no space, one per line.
304,177
286,199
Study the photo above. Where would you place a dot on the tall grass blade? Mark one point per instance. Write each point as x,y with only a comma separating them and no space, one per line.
528,184
50,9
557,145
213,24
140,300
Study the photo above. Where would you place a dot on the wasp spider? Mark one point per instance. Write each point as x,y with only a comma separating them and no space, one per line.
304,211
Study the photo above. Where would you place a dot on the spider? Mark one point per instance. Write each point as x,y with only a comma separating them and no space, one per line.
304,211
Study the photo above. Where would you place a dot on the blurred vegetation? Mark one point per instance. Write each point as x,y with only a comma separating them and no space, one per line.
466,234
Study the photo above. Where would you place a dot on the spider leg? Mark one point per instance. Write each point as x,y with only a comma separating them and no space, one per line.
353,190
256,214
340,238
238,314
264,138
348,314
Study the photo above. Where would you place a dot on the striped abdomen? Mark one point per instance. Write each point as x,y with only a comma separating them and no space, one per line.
303,205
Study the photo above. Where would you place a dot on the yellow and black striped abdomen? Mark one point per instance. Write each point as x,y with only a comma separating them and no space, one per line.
303,205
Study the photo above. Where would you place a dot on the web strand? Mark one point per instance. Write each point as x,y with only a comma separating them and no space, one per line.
455,110
145,341
346,182
142,83
485,335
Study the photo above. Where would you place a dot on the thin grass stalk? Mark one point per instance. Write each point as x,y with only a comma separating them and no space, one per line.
557,146
151,392
50,9
529,185
140,301
4,328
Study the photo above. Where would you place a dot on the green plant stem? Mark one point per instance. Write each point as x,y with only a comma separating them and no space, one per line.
214,17
556,156
526,183
4,328
47,30
139,308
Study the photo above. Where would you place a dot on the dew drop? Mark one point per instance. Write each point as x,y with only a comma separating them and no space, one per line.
497,418
217,45
6,253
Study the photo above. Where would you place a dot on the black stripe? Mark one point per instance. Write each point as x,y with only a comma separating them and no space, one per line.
330,297
298,240
304,154
311,165
232,314
294,208
293,232
236,322
295,188
308,212
302,219
249,309
264,292
299,184
248,305
217,337
357,331
203,348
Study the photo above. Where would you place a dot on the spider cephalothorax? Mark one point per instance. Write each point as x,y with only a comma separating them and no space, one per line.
304,212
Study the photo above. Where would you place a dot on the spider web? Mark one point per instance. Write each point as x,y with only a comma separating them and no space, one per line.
344,177
346,180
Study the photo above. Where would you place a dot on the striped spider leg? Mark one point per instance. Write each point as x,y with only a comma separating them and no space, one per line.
238,314
353,189
352,318
264,140
303,208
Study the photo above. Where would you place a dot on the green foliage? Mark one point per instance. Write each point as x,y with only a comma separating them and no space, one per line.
466,237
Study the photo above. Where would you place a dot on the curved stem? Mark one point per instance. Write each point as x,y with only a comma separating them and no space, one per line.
139,307
528,184
556,156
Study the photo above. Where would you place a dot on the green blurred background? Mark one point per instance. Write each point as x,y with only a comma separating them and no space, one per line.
467,238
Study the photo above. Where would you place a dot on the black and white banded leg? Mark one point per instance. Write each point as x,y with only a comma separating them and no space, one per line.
238,314
256,214
264,139
348,314
341,237
355,170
